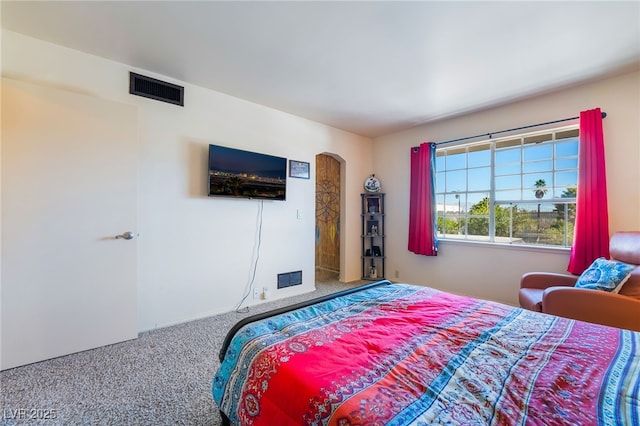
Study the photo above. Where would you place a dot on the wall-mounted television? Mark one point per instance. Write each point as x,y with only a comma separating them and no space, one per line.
245,174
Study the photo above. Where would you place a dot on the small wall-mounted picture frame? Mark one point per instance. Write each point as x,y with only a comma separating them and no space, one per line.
376,251
299,169
373,205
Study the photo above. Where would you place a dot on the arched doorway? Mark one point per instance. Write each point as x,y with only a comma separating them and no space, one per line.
327,218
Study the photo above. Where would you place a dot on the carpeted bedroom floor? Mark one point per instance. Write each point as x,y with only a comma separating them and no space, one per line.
161,378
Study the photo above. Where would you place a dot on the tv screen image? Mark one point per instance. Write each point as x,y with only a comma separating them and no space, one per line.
245,174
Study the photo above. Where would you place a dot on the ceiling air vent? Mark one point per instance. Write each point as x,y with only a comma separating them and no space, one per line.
155,89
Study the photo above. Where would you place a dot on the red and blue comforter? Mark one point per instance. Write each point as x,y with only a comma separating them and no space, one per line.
410,355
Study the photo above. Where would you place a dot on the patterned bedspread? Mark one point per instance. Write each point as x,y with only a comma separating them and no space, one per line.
410,355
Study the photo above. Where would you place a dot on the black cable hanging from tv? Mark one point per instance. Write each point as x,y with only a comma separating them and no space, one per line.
490,134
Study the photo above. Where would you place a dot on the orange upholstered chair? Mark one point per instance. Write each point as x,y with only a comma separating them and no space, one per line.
555,293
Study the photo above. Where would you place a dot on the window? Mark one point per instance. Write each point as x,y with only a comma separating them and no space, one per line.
516,190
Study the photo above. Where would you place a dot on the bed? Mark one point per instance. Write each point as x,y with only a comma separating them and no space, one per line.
400,354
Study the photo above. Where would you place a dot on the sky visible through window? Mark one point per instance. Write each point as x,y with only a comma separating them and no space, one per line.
464,173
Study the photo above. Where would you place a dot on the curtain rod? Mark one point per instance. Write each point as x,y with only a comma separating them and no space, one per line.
604,114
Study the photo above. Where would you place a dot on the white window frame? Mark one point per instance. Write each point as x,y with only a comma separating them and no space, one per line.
554,200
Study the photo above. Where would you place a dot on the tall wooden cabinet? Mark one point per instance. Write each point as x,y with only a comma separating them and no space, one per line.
373,236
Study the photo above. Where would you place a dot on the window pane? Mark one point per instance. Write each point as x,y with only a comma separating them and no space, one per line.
503,220
567,192
440,222
567,149
456,180
440,206
540,224
440,182
536,182
440,161
508,170
566,178
511,155
479,155
509,195
507,182
478,224
537,166
567,163
454,217
457,160
538,152
477,216
475,201
480,179
448,214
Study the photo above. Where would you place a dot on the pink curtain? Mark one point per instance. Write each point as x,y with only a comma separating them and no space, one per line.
422,212
591,233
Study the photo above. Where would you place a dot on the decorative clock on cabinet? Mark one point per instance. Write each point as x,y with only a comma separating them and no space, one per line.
372,184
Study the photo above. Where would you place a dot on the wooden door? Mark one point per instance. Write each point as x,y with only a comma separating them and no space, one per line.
327,217
69,186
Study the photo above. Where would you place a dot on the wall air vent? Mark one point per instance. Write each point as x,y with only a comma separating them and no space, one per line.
155,89
289,279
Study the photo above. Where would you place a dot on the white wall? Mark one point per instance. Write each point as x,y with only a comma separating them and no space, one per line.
493,272
196,253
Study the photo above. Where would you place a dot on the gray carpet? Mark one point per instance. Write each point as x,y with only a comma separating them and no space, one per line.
161,378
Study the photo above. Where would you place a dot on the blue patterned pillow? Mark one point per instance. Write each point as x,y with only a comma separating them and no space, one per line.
606,275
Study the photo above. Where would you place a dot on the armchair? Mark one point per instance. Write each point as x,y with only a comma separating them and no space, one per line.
555,294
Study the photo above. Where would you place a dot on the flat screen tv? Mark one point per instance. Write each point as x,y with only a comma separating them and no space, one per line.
244,174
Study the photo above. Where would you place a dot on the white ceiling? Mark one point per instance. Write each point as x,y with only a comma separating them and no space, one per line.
371,68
